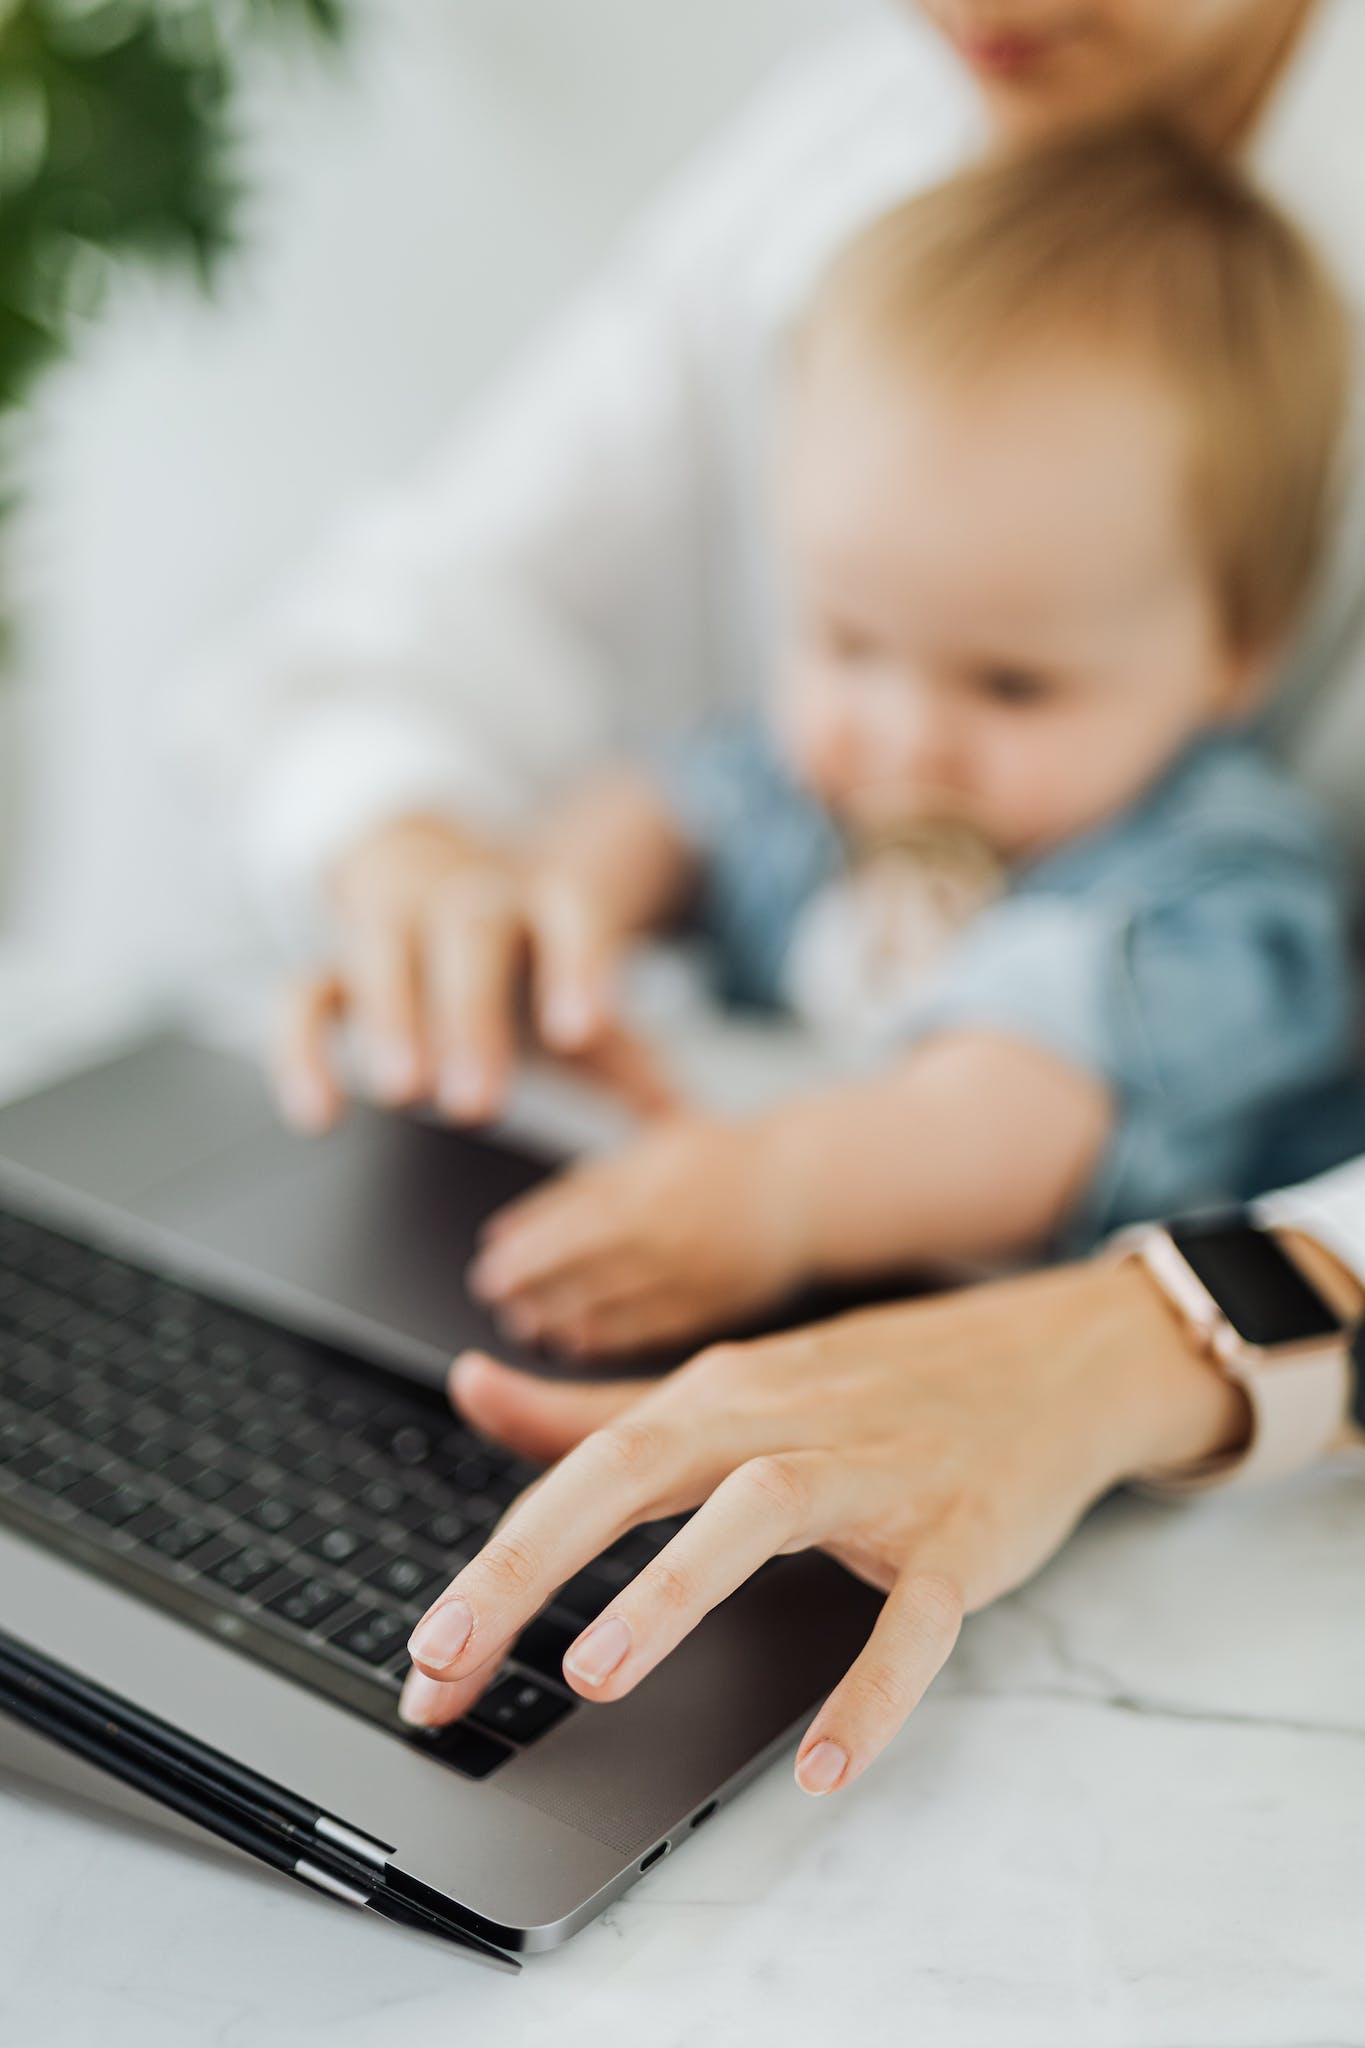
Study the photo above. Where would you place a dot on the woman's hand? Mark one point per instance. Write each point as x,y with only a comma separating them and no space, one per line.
447,945
942,1450
694,1227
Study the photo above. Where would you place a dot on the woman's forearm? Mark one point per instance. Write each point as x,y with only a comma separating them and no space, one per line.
973,1146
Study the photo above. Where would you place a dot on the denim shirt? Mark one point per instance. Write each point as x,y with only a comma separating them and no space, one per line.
1193,952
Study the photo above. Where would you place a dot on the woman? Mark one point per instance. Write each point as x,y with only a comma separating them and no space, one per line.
588,556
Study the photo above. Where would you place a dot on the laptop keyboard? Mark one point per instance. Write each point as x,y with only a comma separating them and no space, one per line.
289,1497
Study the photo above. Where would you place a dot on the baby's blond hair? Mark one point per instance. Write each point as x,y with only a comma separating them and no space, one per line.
1137,242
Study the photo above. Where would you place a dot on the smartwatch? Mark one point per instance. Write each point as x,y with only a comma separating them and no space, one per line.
1254,1313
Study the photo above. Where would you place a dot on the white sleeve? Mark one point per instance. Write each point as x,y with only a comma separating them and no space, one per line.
581,561
1331,1209
462,643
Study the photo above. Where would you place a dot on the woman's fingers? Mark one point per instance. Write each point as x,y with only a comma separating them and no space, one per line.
648,1462
573,955
433,1703
474,960
771,1504
302,1069
911,1642
765,1506
380,965
567,1522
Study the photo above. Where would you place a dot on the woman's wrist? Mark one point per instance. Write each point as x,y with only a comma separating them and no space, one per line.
1169,1404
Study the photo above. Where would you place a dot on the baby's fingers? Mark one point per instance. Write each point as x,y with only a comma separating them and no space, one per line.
566,1309
643,1318
580,1219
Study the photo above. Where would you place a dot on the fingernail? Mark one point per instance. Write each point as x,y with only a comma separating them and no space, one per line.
421,1700
569,1017
821,1768
481,1277
464,1086
596,1655
440,1636
392,1068
304,1103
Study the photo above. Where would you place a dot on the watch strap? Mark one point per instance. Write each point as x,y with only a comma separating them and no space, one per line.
1297,1416
1300,1404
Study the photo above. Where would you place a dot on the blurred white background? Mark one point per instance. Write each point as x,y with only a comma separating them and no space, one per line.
419,202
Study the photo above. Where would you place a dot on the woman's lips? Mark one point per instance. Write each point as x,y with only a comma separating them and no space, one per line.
1005,56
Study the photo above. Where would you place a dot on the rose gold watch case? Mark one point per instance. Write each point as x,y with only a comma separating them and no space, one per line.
1299,1393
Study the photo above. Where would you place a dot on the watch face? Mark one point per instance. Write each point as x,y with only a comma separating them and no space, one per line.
1256,1284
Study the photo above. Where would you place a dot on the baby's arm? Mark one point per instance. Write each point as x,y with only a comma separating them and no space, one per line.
973,1145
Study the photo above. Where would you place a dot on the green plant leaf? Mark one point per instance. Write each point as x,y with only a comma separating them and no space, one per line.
116,143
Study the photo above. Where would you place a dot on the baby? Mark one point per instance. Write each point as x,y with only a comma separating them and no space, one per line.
1056,475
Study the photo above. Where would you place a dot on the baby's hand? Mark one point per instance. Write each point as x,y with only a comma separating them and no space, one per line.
689,1231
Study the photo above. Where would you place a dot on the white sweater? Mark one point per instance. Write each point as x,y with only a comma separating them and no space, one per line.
584,563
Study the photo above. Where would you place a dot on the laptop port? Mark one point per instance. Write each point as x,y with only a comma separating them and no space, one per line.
660,1849
705,1814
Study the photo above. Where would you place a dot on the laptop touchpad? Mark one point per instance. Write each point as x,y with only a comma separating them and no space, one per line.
378,1219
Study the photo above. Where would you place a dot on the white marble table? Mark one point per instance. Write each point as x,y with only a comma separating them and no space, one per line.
1131,1812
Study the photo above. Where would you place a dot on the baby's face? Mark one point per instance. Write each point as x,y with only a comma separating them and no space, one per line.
998,615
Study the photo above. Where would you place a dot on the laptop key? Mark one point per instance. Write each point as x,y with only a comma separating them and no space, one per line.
318,1468
410,1445
481,1512
543,1646
386,1499
17,1434
466,1749
443,1531
615,1572
520,1708
337,1545
307,1602
193,1475
186,1534
114,1506
586,1594
241,1571
374,1636
273,1514
153,1522
403,1578
56,1476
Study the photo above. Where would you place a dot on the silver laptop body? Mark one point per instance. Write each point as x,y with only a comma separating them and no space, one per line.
171,1155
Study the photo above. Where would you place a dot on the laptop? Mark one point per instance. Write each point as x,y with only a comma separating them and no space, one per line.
230,1483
